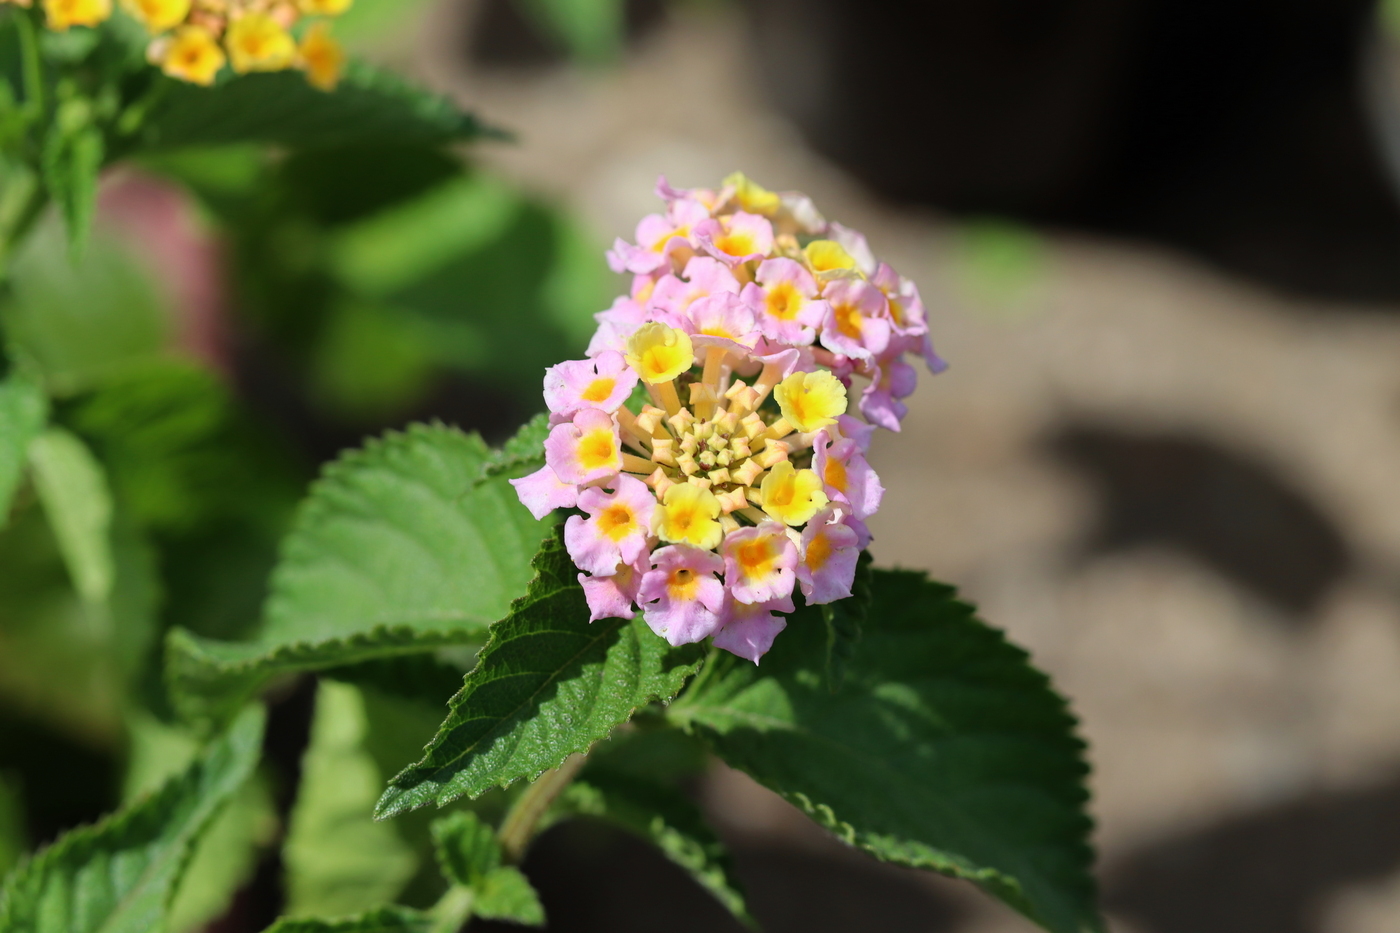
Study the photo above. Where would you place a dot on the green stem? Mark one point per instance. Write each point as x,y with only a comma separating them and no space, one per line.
454,910
518,828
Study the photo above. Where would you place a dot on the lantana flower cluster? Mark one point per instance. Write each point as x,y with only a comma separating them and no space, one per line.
705,443
194,39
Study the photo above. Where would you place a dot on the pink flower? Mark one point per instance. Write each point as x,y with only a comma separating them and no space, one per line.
785,300
847,474
830,550
603,382
893,380
857,322
857,430
615,325
659,238
611,597
586,449
906,306
723,320
759,563
749,630
681,596
542,492
617,528
736,238
704,276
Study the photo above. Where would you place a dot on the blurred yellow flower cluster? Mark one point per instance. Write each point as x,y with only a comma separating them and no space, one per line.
195,39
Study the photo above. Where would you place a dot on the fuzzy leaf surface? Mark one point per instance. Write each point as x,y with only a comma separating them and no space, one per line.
368,107
547,684
118,876
944,750
396,551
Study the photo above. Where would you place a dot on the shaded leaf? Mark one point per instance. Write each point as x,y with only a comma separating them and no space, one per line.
383,920
368,106
338,860
506,894
945,750
73,488
844,620
396,551
23,409
666,817
119,875
547,684
469,854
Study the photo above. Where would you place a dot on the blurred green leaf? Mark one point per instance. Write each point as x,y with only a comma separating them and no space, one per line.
396,551
118,876
469,854
368,106
548,684
73,488
12,834
371,361
592,30
65,660
339,861
81,323
945,750
383,920
23,410
999,262
369,24
522,454
73,152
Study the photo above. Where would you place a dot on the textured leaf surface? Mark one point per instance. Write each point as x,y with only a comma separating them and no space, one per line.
666,817
845,620
118,876
396,551
547,684
470,856
22,412
369,106
383,920
73,489
945,749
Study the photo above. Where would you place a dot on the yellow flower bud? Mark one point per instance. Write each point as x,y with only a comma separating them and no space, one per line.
321,57
192,55
256,42
828,256
159,15
752,197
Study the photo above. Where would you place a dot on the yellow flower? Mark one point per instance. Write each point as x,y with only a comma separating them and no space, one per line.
159,15
659,353
321,57
828,256
811,401
752,197
687,516
792,496
324,7
256,42
193,55
65,13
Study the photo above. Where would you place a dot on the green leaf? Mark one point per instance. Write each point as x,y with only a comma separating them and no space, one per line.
368,106
844,620
12,834
338,860
506,894
383,920
396,551
72,158
547,684
73,489
523,453
469,854
592,30
23,410
119,875
945,750
466,848
666,817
